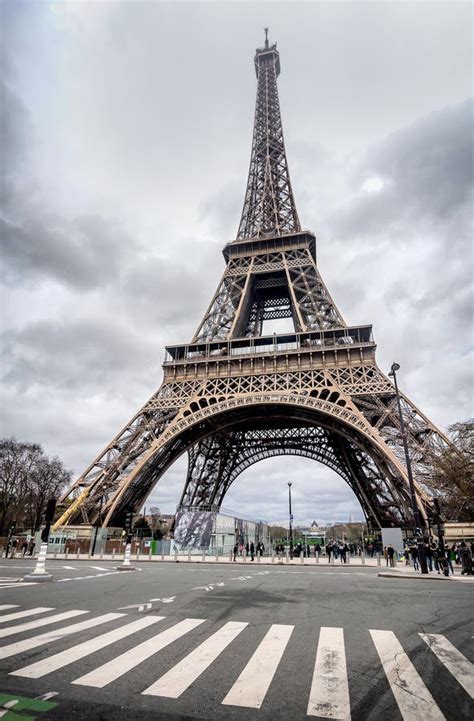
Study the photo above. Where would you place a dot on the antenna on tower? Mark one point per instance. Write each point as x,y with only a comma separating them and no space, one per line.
266,37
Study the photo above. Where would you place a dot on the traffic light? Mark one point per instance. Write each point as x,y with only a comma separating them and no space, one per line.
50,508
128,519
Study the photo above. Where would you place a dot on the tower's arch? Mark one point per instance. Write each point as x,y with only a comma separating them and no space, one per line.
234,433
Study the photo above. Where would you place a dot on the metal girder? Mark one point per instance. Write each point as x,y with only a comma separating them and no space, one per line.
269,206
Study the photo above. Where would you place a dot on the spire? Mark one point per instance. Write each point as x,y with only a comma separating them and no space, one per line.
269,206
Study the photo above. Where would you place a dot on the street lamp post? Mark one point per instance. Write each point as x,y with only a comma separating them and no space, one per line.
416,513
291,519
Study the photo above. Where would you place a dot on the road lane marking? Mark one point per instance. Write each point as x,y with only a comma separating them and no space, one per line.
22,614
6,606
21,627
457,664
181,676
99,568
70,568
413,698
20,646
64,658
115,668
253,683
329,695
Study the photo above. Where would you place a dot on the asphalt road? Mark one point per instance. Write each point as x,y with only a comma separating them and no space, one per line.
249,643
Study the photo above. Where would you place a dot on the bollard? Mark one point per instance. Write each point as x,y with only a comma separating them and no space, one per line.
175,554
231,555
66,554
203,557
78,552
317,558
113,554
189,556
302,558
162,554
258,556
101,555
126,565
348,558
137,554
273,556
244,556
217,556
378,559
149,554
287,556
39,573
363,558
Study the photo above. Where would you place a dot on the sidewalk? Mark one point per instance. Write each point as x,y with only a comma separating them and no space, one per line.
375,562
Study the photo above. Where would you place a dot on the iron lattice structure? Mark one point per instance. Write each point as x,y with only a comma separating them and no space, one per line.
233,396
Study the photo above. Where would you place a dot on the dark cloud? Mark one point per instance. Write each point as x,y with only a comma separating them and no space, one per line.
38,244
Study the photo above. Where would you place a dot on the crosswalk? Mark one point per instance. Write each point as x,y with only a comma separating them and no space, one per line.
329,682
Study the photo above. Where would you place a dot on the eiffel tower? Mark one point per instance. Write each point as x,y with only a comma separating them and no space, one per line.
232,396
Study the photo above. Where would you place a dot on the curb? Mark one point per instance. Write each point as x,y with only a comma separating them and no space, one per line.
417,577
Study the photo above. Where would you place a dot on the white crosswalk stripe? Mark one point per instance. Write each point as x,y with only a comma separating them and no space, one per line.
457,664
254,677
21,627
181,676
253,683
28,643
63,658
413,698
112,670
329,695
23,614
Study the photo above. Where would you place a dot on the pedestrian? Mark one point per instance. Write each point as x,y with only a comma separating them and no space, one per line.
7,548
24,547
31,547
466,560
448,560
429,556
407,556
328,552
235,551
252,551
344,550
414,555
390,555
247,547
14,543
370,549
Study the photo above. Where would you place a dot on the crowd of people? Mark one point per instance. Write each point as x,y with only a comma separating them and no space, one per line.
26,548
249,549
440,558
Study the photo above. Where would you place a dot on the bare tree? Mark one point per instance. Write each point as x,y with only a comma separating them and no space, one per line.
452,473
155,517
28,479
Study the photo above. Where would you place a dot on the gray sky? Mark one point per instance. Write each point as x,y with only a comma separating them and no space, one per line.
127,130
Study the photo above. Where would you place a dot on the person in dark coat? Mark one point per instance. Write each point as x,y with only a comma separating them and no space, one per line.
252,551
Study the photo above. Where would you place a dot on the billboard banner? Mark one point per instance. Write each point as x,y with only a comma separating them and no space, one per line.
193,529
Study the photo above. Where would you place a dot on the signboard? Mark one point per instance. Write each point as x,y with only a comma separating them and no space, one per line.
193,529
393,536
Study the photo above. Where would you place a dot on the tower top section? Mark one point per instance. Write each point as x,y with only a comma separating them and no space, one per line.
266,56
269,206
